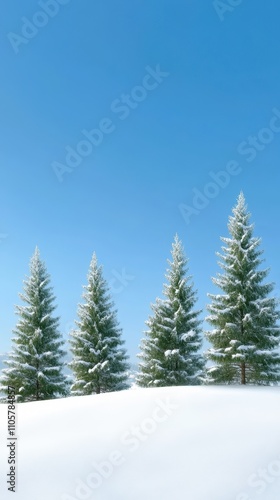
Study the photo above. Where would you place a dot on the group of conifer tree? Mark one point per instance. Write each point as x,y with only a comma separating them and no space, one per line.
244,340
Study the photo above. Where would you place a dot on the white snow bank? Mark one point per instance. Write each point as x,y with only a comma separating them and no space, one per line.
195,443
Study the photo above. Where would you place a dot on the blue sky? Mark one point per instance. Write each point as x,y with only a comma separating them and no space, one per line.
217,103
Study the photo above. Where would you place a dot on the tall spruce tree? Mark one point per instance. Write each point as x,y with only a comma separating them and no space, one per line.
99,361
35,362
246,336
170,352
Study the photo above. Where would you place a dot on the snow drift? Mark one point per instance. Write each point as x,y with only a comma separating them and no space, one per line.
199,443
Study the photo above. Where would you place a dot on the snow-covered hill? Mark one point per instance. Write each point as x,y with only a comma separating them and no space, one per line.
195,443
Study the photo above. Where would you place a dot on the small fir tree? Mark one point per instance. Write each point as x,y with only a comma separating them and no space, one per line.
35,367
170,352
246,336
99,361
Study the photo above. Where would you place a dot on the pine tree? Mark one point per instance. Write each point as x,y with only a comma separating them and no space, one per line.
35,362
245,337
99,361
169,353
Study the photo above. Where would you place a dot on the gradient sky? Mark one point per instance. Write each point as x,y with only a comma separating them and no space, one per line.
217,103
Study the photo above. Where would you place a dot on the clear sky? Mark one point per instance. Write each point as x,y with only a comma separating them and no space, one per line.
175,90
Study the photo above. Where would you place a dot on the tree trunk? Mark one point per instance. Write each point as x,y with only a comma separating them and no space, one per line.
37,382
37,389
243,373
243,366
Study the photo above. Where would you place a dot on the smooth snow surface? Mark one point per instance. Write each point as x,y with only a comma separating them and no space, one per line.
194,443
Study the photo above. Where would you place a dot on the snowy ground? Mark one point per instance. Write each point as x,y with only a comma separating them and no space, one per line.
204,443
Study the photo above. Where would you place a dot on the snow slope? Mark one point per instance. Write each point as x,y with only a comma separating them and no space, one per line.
195,443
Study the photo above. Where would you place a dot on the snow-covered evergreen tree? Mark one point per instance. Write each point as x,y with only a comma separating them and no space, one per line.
170,352
245,337
99,361
34,366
